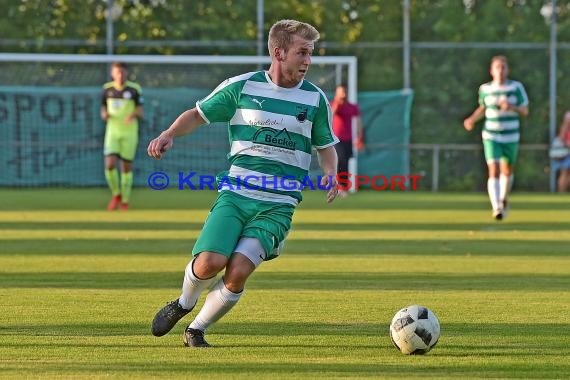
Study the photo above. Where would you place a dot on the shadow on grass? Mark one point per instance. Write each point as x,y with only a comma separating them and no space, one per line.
111,247
298,226
481,334
296,280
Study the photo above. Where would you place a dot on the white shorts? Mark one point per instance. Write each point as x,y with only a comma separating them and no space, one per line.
252,249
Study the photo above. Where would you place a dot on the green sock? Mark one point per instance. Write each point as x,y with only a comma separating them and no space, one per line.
112,177
126,186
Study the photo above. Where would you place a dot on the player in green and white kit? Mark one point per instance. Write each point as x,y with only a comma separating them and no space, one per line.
121,107
502,102
274,119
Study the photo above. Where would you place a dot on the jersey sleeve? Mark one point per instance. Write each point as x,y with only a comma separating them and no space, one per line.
104,97
221,104
322,133
138,98
522,97
481,96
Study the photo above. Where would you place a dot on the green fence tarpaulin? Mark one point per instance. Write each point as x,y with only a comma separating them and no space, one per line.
53,136
386,121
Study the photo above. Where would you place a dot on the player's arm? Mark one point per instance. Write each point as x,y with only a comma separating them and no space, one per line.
103,112
137,114
359,128
185,124
477,115
565,127
521,110
334,106
359,133
521,106
328,162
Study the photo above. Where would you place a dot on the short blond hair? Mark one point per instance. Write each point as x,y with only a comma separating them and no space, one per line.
501,58
282,32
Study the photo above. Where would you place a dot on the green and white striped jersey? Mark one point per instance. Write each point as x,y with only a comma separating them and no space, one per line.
272,131
502,126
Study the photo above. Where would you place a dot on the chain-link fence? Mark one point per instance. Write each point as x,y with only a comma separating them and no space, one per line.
444,62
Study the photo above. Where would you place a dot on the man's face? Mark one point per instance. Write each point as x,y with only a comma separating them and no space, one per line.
499,70
297,60
119,74
340,94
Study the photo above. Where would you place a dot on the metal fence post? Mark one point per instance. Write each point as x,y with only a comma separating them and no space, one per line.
110,32
435,168
552,90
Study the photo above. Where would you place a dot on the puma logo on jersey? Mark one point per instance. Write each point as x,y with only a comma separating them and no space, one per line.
259,102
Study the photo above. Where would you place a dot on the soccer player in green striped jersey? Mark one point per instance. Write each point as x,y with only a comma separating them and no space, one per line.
274,119
121,107
502,102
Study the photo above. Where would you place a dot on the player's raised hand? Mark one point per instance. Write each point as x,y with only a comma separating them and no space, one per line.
160,145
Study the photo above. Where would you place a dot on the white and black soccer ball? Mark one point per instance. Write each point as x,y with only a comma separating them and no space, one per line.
414,330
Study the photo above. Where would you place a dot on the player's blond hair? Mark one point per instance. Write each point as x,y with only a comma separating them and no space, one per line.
282,32
501,58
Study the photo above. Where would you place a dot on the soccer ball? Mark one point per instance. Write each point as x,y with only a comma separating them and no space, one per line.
414,330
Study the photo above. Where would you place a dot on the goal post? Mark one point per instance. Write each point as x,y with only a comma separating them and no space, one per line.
49,111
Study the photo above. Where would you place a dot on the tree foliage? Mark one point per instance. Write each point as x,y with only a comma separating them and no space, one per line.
445,80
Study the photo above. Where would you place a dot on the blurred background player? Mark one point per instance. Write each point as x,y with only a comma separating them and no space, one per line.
343,114
121,108
502,102
560,153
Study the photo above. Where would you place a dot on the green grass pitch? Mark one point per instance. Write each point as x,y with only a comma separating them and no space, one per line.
79,287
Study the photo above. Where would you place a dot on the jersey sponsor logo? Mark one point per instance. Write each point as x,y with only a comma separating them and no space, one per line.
269,136
301,113
266,122
116,104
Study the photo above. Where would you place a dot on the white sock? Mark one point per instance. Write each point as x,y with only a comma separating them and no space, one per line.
511,181
192,287
493,190
504,185
218,302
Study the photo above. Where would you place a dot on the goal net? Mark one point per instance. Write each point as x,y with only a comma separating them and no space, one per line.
49,112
